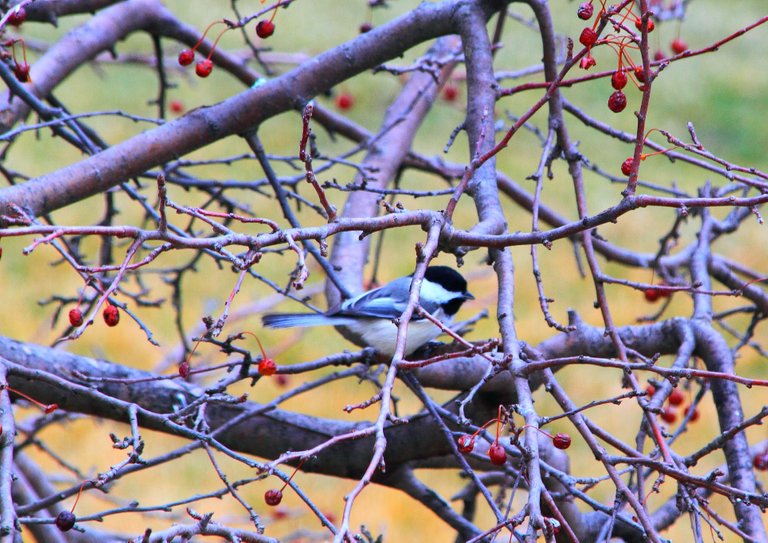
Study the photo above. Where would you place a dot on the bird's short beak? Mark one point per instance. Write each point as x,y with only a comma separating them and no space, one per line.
468,296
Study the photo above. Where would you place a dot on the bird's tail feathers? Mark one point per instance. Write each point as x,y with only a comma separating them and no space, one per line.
291,320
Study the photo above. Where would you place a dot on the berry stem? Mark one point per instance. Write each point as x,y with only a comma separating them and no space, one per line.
216,42
274,11
47,408
77,499
205,32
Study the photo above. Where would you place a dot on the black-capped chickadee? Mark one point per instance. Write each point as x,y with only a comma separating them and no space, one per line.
369,316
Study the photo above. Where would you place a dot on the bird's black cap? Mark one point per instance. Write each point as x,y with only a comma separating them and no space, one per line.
448,278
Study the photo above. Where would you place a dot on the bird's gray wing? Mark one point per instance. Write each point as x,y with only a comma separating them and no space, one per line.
387,302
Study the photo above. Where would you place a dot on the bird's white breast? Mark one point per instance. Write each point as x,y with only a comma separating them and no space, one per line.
381,334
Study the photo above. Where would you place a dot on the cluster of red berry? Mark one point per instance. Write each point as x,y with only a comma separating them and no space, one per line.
496,452
264,29
626,69
617,101
675,399
20,68
111,316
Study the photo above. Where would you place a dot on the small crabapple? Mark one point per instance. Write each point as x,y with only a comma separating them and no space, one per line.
111,315
17,16
65,521
652,294
626,166
588,37
678,46
639,24
585,11
561,441
365,27
450,93
345,101
617,101
21,71
676,397
694,415
204,68
75,317
176,106
760,461
639,74
273,497
497,454
669,414
466,443
265,28
619,79
186,57
587,62
184,369
267,367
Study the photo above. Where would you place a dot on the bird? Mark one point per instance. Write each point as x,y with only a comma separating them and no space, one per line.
369,318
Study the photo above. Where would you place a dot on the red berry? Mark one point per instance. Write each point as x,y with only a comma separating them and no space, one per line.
50,408
497,454
65,521
111,315
176,106
678,46
280,513
588,37
184,369
466,444
75,317
617,101
585,11
694,416
652,294
760,461
273,497
365,27
267,367
21,71
17,16
265,29
204,68
626,166
651,24
450,93
186,57
669,415
650,390
561,441
345,101
281,380
676,397
587,62
639,74
659,55
619,79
